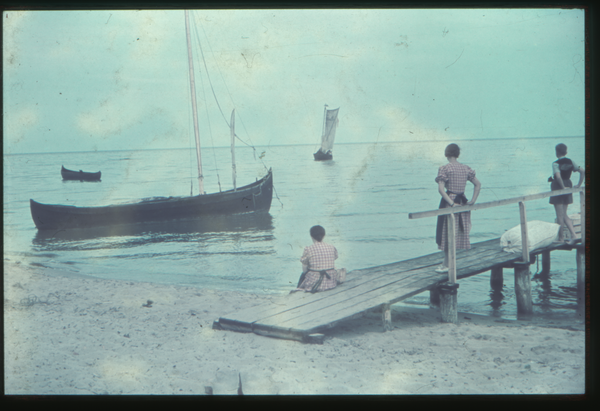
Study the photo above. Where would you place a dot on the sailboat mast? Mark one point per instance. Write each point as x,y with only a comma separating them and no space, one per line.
324,123
194,110
232,126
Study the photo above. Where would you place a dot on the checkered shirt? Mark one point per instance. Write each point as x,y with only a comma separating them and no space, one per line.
319,256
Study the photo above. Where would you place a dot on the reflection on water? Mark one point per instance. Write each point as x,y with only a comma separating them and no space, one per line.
496,298
254,227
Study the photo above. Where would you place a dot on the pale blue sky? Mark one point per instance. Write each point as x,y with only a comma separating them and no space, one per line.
111,80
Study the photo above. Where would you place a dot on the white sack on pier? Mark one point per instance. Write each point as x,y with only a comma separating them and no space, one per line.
540,234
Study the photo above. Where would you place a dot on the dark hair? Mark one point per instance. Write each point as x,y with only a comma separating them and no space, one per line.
561,149
452,150
317,232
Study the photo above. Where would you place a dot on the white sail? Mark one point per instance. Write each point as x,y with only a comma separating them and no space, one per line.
329,127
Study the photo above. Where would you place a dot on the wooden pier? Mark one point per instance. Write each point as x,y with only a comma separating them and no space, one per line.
305,316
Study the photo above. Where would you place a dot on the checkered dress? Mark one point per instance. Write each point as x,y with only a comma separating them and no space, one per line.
456,175
319,256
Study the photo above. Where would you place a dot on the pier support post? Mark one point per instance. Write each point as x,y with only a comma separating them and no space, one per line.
580,269
523,288
496,278
545,262
449,302
434,297
386,316
524,232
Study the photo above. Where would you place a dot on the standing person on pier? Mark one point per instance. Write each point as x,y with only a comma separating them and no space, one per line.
561,178
452,179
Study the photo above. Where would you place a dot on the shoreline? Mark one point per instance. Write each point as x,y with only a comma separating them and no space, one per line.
82,336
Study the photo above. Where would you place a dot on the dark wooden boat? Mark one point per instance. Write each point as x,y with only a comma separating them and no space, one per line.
252,198
320,156
79,175
330,122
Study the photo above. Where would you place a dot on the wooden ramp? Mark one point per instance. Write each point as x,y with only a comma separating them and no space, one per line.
304,316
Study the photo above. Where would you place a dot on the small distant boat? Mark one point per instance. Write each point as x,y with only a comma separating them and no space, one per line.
330,122
79,175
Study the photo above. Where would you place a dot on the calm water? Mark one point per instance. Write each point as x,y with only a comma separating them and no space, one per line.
362,198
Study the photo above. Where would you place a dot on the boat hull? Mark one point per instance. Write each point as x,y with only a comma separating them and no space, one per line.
320,156
253,198
79,175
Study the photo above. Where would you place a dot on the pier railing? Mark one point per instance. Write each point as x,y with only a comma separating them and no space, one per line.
450,211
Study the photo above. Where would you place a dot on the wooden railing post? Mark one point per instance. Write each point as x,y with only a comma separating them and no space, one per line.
451,248
524,238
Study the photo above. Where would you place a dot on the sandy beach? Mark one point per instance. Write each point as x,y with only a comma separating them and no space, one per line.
68,335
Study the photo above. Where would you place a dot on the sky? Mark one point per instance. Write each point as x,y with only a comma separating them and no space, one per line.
118,80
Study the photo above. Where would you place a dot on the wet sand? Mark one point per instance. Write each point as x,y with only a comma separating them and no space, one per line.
78,336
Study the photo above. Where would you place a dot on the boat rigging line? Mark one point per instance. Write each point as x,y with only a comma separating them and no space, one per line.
225,84
230,97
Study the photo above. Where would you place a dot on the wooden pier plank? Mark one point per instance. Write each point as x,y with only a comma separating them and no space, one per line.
364,280
360,304
350,297
354,278
361,298
418,281
360,281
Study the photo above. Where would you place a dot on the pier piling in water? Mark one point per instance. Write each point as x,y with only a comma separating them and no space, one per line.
581,269
497,278
523,288
545,262
449,302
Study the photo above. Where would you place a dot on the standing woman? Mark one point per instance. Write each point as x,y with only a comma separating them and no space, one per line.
452,179
561,178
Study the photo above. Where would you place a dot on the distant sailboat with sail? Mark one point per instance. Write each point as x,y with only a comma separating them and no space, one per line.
254,198
330,122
